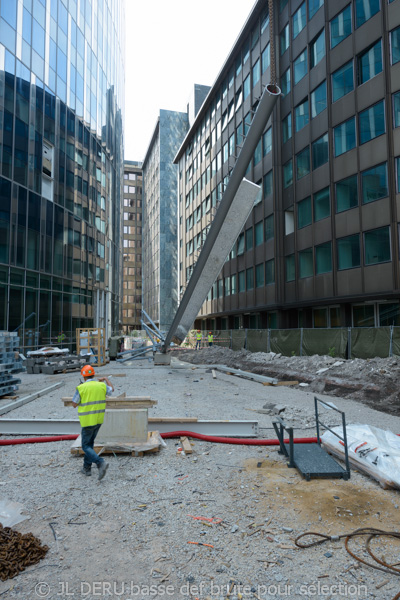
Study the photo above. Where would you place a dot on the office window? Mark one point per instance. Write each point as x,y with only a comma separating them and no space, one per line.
313,6
284,39
346,193
370,63
270,272
322,205
320,151
290,272
342,81
285,82
267,184
323,258
240,244
246,87
395,45
363,316
396,109
304,213
260,275
289,221
265,58
317,49
256,72
397,175
287,127
288,174
377,246
345,136
301,115
282,4
365,9
341,26
348,252
258,153
233,285
374,184
371,122
241,281
269,228
389,314
303,163
299,20
267,141
259,233
318,100
250,278
227,286
300,67
306,267
249,239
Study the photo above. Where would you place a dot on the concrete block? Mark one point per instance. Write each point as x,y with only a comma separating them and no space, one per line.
162,359
129,425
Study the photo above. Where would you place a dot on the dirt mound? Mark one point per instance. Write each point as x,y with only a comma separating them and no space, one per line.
375,382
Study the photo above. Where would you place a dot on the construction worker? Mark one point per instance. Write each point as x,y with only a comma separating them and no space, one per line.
210,339
199,338
61,338
90,398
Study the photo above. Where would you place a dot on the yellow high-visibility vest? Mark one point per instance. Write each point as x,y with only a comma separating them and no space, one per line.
210,337
199,337
93,403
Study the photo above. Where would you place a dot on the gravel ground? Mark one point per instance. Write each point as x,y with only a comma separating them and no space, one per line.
118,537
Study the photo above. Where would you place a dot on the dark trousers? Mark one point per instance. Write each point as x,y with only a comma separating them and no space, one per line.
88,435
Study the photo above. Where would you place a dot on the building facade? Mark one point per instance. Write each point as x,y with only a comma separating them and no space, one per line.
61,166
160,218
321,248
132,250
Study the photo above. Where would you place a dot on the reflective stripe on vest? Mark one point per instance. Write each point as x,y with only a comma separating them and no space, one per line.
198,336
210,338
93,403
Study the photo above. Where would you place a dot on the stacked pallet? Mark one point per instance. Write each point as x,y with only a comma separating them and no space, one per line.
57,363
10,362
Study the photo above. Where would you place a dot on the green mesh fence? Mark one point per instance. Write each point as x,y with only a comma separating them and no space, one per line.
369,342
285,341
332,342
238,339
222,338
396,341
257,340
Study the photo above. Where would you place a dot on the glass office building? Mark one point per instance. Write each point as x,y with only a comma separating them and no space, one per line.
61,166
321,248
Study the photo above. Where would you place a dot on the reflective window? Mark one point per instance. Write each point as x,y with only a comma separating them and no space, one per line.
265,58
323,258
249,239
290,271
250,278
371,122
341,26
342,81
300,67
364,316
396,109
301,115
240,244
267,141
320,151
260,275
288,174
241,281
365,9
348,252
270,272
304,213
370,63
344,136
9,12
284,39
299,20
395,45
377,246
269,228
346,193
246,87
313,6
267,184
287,127
256,72
374,183
322,205
285,82
306,267
317,49
303,163
318,100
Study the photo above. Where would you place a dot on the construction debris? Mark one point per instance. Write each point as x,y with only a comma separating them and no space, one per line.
10,362
54,361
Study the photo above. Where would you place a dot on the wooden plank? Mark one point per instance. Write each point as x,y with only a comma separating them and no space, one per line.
286,383
128,402
186,445
76,448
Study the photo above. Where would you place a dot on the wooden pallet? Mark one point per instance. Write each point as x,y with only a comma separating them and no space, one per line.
126,402
154,443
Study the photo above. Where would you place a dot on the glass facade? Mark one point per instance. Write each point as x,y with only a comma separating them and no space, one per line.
61,160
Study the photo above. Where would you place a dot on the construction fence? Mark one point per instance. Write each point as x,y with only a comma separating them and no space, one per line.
348,342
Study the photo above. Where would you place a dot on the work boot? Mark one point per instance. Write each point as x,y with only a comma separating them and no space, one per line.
102,469
85,471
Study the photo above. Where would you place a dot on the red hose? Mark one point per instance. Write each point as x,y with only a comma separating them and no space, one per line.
170,434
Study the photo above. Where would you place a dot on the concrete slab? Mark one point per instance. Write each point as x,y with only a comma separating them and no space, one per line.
124,424
162,359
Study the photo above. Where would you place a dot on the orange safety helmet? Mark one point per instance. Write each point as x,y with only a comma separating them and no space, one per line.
87,371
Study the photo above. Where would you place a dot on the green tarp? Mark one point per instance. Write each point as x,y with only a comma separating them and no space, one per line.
222,338
369,342
332,342
238,339
285,341
257,340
